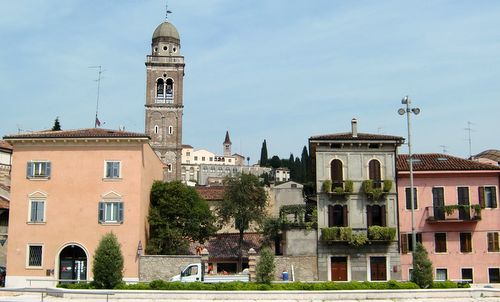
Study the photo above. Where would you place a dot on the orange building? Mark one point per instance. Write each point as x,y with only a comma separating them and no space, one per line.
69,188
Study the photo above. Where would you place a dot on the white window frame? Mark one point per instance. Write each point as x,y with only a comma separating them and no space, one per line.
30,211
348,266
170,130
446,243
488,273
387,267
28,248
114,207
37,165
113,176
462,277
436,274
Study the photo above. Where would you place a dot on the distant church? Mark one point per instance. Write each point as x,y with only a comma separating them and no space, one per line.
164,98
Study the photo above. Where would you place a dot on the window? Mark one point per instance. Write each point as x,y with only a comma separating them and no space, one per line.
337,215
336,174
465,242
378,269
169,167
35,255
196,158
441,274
203,158
467,275
170,129
111,212
488,197
493,242
376,215
374,173
211,159
494,275
438,203
440,242
156,129
38,169
188,153
407,242
112,169
463,201
408,198
37,211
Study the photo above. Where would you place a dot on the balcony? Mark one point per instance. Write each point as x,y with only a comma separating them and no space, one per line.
453,213
357,237
338,189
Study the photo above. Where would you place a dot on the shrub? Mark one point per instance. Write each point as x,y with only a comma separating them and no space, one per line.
265,267
387,185
376,232
108,262
348,186
422,267
327,186
358,239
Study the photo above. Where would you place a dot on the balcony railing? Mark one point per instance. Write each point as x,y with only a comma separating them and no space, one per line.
453,213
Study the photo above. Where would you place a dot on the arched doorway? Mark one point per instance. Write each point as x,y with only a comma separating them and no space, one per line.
73,263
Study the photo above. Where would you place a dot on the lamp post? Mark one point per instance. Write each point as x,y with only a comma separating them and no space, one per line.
406,101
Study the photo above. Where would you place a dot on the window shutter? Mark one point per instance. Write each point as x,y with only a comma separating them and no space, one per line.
29,169
383,213
495,242
404,243
101,212
47,169
369,215
120,212
481,197
330,216
493,197
408,198
415,198
109,171
344,215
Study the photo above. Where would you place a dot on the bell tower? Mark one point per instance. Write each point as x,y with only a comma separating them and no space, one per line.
164,98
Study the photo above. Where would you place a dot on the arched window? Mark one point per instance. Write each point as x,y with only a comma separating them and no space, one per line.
169,91
156,129
374,173
170,129
336,174
337,215
376,215
160,91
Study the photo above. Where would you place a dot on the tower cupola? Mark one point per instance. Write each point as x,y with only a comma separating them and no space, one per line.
166,40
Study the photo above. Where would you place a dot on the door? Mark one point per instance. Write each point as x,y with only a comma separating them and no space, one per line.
438,203
73,264
463,201
339,268
378,269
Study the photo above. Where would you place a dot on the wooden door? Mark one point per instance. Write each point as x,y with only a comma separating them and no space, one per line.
339,268
378,269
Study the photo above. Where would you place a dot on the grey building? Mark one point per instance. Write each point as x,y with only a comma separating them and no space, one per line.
356,205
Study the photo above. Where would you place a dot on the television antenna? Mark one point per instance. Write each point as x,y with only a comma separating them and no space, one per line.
445,148
469,130
98,80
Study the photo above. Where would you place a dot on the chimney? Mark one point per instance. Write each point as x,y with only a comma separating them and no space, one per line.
354,127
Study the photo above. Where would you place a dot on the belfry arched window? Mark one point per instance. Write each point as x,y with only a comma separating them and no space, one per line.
336,173
164,91
374,173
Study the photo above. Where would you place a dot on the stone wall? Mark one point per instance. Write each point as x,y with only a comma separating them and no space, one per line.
300,242
305,268
163,266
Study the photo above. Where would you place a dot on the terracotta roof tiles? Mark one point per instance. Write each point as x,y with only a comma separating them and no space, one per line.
440,162
79,133
360,136
225,246
211,193
5,145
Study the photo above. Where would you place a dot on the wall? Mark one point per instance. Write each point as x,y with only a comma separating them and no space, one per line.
301,243
305,268
163,267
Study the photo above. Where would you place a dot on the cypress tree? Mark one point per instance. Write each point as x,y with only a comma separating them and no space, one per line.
263,155
304,160
108,262
57,125
422,267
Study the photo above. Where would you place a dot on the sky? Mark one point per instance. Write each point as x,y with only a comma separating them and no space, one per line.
280,70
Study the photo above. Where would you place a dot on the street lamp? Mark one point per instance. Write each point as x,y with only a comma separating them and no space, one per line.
406,101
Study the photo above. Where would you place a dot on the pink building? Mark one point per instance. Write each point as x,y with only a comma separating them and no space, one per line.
69,188
456,216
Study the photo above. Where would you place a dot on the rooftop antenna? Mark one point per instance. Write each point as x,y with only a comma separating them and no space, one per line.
445,148
469,130
167,12
97,123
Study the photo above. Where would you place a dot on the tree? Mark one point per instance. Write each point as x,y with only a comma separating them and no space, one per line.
177,215
265,267
275,162
244,202
108,262
304,160
263,154
422,267
57,125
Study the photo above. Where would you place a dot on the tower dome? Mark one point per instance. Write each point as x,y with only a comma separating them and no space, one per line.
166,40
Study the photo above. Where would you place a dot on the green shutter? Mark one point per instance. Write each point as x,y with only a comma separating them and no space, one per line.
47,169
101,212
29,170
120,212
493,197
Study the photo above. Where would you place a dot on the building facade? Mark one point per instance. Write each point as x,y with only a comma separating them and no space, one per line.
71,188
164,98
456,216
5,167
356,205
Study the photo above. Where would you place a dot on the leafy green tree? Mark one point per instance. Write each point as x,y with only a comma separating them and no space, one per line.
108,262
244,202
57,125
177,215
275,162
422,267
263,154
265,267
